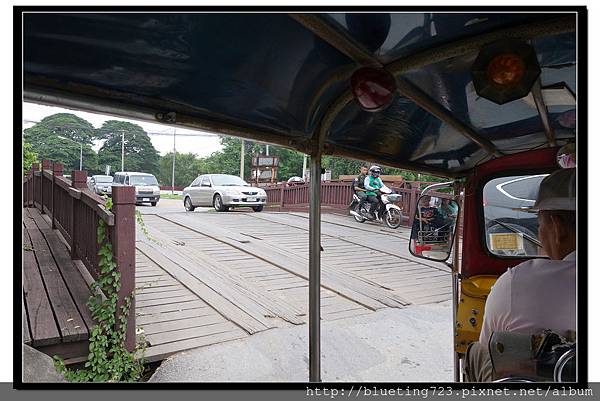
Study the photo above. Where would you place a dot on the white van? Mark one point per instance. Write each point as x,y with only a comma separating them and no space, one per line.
146,186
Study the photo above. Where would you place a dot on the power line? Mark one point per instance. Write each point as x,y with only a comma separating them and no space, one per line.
182,135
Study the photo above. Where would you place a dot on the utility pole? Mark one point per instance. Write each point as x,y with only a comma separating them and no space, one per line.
242,161
122,150
174,153
80,156
267,149
304,168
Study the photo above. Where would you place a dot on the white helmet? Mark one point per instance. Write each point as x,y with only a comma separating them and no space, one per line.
375,171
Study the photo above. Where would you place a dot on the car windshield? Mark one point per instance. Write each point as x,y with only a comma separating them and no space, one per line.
511,228
142,180
228,180
103,178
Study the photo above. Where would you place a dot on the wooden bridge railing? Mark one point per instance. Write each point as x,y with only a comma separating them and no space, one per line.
75,211
338,194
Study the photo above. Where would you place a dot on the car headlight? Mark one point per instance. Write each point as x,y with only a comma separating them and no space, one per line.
262,193
156,191
231,192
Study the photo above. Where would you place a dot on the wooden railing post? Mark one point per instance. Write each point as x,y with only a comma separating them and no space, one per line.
57,170
34,168
413,206
123,239
282,195
78,181
45,166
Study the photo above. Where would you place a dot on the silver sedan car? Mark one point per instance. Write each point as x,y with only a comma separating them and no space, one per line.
100,184
223,191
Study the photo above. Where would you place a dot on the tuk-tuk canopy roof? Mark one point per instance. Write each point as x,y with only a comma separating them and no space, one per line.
285,78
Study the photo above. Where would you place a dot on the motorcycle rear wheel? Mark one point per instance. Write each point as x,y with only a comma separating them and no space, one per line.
393,218
358,219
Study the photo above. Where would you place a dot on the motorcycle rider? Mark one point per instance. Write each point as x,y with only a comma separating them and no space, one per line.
374,185
358,186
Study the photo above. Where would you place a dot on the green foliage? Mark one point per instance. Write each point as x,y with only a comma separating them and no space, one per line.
187,168
227,160
341,166
58,138
290,162
140,154
140,220
29,157
62,124
108,359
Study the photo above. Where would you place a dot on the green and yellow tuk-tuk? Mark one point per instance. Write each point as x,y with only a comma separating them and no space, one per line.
478,97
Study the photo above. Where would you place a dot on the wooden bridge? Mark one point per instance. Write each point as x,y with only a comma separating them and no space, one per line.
203,278
210,277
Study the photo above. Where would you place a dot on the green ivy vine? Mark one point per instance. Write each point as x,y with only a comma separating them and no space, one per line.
108,359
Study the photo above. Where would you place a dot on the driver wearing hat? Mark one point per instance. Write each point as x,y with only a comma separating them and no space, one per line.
540,293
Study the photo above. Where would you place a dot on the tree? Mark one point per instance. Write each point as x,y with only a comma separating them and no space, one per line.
341,166
59,138
290,162
227,160
140,154
29,157
187,168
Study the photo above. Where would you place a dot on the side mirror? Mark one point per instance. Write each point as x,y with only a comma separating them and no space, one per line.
433,228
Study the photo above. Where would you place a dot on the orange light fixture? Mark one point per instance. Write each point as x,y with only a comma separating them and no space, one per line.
506,70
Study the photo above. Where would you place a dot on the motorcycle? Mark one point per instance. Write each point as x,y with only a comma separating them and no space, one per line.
385,211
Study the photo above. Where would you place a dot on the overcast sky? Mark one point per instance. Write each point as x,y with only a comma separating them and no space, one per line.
201,146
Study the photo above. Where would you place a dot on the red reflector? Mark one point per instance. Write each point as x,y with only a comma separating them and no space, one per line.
420,248
373,88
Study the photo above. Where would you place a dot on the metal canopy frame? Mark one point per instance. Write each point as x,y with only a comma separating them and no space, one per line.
351,48
77,96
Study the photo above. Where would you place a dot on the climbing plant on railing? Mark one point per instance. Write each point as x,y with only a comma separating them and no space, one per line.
142,226
108,359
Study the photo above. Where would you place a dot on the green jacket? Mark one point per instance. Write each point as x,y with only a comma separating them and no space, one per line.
372,184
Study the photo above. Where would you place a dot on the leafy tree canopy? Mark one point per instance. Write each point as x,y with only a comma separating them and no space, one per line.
29,157
62,124
140,154
187,168
59,138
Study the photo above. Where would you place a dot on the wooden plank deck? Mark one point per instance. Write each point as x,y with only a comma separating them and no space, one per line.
207,278
259,263
56,317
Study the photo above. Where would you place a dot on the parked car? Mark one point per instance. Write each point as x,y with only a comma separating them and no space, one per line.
506,204
146,186
101,184
292,181
223,191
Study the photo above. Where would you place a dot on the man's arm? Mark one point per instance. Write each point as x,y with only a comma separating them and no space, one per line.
497,308
367,182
